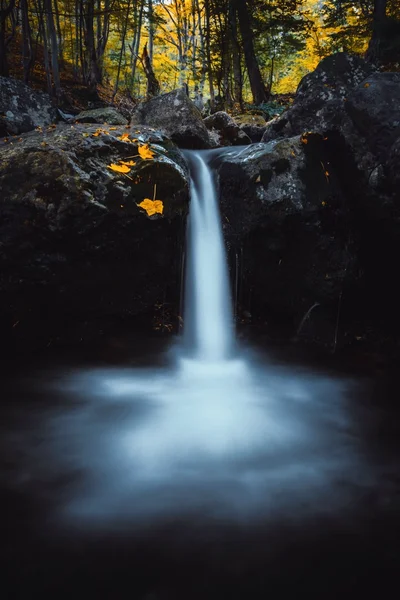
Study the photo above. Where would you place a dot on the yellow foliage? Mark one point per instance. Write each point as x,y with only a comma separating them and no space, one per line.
152,207
145,152
129,163
119,168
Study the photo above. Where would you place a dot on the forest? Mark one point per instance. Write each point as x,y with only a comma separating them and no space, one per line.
227,52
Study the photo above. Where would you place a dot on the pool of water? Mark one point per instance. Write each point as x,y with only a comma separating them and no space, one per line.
140,473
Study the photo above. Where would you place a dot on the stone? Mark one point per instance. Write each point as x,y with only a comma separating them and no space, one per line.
177,116
107,115
332,81
23,109
225,131
77,252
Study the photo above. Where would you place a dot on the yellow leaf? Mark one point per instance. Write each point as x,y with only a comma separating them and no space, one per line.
367,84
129,163
152,207
113,128
323,203
85,135
145,152
124,137
119,168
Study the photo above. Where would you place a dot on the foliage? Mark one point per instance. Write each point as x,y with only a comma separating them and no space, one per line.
215,47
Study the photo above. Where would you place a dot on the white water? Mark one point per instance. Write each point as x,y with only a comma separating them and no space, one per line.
208,310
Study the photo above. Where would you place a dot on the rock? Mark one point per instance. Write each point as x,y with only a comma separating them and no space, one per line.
107,115
224,130
177,116
77,252
374,109
22,109
253,125
333,79
286,222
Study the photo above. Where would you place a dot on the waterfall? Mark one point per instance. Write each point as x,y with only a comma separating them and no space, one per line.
208,307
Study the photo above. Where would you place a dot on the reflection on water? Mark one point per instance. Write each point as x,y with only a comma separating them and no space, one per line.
228,439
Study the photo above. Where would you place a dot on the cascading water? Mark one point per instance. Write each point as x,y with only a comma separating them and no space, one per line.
211,433
208,308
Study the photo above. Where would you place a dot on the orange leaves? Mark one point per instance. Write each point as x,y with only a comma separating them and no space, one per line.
152,207
119,168
145,152
129,163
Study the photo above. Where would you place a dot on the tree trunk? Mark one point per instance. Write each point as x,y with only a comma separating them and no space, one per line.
151,30
153,87
6,8
122,49
54,47
27,50
236,58
374,50
136,40
256,83
208,52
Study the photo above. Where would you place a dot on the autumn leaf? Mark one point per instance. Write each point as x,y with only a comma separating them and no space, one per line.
113,128
152,207
367,84
119,168
129,163
124,137
145,152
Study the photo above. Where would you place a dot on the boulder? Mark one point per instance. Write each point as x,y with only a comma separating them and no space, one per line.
22,109
78,252
101,115
225,131
332,81
287,226
253,125
374,109
177,116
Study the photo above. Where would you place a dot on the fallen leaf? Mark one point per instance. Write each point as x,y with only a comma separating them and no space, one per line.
145,152
113,128
119,168
43,144
367,84
258,179
152,207
85,135
124,137
129,163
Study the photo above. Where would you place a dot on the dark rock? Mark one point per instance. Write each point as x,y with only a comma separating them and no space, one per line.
107,115
177,116
374,109
333,79
253,125
224,131
22,109
302,234
77,252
